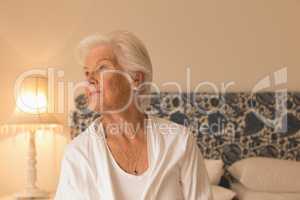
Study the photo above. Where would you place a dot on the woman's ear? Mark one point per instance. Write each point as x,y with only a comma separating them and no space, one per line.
138,79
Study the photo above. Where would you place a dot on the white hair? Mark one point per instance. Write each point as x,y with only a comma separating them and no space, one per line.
129,51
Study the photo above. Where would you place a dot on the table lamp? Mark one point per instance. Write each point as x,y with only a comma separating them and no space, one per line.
31,116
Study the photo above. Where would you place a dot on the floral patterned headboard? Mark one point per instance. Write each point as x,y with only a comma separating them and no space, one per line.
231,126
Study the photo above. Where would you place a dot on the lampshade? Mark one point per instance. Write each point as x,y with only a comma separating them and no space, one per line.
31,108
31,95
21,118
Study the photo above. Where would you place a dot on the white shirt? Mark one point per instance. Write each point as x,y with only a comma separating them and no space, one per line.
176,170
135,185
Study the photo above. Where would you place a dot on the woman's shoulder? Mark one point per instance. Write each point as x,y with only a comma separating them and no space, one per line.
81,143
171,132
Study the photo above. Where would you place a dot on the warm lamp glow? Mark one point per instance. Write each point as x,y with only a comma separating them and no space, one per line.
30,102
32,96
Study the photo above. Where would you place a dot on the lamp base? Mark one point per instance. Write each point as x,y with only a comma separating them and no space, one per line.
32,193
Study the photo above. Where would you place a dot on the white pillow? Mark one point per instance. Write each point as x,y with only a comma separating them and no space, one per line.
215,170
243,193
220,193
267,174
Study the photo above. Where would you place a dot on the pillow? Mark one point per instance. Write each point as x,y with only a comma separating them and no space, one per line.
267,174
246,194
215,170
220,193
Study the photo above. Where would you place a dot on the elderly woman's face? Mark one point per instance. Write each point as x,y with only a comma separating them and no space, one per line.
112,88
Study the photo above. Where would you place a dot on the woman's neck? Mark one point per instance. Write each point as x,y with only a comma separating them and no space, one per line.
128,123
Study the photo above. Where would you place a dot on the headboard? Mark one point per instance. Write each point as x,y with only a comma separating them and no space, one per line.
231,126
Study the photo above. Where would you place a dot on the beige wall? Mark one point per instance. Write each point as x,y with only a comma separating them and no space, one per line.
233,40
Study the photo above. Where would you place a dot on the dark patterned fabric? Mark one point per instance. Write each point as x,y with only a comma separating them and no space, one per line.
231,126
81,117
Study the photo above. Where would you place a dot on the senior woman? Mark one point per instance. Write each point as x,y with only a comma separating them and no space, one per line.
127,154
